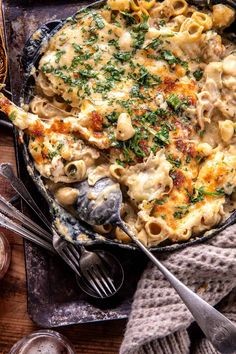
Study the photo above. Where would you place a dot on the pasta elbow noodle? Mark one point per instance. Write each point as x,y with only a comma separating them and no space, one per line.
66,195
124,130
222,16
226,130
76,170
193,28
202,19
179,7
121,235
117,171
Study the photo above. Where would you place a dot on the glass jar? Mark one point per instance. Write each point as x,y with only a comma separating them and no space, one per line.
43,342
5,255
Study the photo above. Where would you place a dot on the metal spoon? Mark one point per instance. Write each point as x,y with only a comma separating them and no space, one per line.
100,204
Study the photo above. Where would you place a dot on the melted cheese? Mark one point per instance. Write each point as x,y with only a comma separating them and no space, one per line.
144,94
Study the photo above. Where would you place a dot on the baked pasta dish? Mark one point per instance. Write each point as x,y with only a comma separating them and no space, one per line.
143,92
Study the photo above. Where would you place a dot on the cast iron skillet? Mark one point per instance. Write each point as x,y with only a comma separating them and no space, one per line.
32,53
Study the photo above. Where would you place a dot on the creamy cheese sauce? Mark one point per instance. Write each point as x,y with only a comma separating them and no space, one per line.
143,92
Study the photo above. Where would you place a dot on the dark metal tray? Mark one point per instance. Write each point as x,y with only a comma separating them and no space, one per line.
54,298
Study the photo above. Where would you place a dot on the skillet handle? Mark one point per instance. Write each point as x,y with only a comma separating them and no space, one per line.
34,43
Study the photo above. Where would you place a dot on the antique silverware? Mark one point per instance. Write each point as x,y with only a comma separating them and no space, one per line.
100,204
99,273
8,224
107,273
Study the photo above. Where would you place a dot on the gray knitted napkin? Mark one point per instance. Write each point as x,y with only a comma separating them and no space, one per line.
159,320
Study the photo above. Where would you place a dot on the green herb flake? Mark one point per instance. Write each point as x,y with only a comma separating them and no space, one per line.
128,17
175,161
181,211
201,133
160,201
58,55
161,138
113,117
174,102
154,44
119,162
123,56
12,116
198,74
139,32
77,47
98,21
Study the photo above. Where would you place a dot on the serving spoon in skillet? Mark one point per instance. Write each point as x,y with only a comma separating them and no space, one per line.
100,204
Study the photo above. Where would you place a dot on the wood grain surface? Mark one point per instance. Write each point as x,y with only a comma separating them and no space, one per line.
95,338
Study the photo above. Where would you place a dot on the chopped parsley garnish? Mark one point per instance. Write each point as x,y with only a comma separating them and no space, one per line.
77,47
137,145
181,211
114,43
119,162
93,38
160,201
87,73
139,31
150,117
12,116
154,44
135,92
98,21
161,138
201,133
115,73
113,117
200,193
58,55
123,56
103,86
162,22
198,74
51,154
171,59
174,160
146,79
128,17
176,103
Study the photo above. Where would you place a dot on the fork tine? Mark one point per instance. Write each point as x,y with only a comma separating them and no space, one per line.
97,281
67,257
100,276
93,284
105,274
70,252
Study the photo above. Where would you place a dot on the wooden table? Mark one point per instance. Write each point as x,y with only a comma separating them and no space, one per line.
103,338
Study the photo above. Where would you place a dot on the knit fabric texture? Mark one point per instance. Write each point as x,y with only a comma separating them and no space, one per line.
159,320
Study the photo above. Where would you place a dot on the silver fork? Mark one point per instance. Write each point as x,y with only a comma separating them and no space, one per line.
96,278
91,268
8,224
95,270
